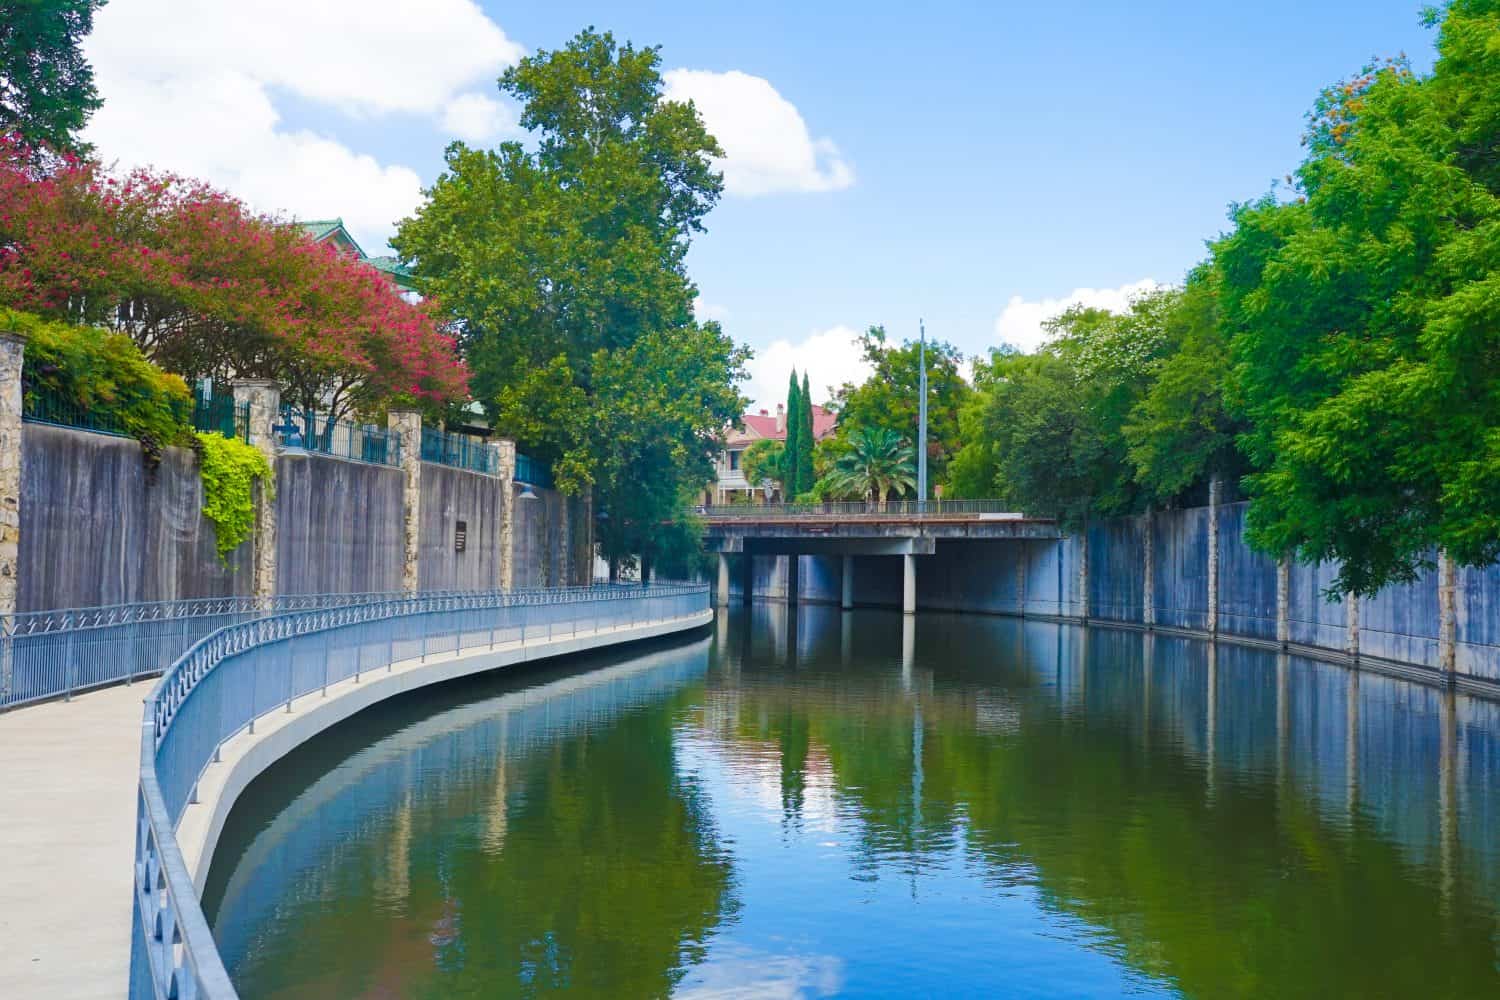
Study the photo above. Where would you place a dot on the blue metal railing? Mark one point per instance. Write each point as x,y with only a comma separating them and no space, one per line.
533,472
460,451
313,431
218,413
232,677
51,654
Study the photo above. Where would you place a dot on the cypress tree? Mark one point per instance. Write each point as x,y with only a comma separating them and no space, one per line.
806,477
791,461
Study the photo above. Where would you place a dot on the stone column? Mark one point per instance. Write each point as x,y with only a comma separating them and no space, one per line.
264,403
721,593
1021,578
407,426
505,466
1215,491
1447,614
1148,581
1083,572
12,352
909,584
846,584
1351,625
1284,600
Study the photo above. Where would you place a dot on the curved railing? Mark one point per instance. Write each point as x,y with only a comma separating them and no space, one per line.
52,654
229,679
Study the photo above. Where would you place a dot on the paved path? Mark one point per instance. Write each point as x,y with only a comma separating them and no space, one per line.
66,845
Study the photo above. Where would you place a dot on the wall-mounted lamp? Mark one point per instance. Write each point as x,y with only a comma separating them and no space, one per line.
527,493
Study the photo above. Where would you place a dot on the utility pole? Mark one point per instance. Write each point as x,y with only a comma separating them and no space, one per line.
922,418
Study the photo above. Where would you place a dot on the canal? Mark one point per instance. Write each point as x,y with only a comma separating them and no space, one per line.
860,804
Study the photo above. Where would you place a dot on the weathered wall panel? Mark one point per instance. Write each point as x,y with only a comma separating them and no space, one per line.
98,526
1247,580
338,526
1117,557
1180,561
449,496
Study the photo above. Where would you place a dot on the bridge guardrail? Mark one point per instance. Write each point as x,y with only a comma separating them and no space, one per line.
859,509
237,674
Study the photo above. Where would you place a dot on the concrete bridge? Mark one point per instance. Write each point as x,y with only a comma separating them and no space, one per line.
906,529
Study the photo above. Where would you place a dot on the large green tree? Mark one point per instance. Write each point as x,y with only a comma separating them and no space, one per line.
46,86
564,263
791,459
888,398
1366,320
806,477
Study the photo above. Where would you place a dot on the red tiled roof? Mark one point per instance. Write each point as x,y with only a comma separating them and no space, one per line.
763,425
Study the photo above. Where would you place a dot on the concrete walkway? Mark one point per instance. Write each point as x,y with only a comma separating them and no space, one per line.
68,773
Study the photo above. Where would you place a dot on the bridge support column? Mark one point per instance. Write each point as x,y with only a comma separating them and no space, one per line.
909,584
846,582
721,592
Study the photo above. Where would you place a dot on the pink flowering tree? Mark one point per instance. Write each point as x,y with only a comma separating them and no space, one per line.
206,287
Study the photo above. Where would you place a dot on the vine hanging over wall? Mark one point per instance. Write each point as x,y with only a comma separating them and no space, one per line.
230,468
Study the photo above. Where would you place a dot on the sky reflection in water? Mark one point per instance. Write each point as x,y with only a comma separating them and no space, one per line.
862,805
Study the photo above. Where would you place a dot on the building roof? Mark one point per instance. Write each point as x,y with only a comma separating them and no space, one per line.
333,231
764,425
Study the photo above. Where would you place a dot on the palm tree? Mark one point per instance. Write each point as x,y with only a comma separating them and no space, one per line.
877,464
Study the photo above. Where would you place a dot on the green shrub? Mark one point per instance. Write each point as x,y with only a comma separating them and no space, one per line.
102,379
230,468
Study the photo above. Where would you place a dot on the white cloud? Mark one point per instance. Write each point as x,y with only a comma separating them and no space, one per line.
768,148
191,86
1020,324
705,311
478,118
829,357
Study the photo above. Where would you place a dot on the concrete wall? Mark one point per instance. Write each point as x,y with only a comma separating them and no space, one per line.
338,526
551,535
98,526
1399,624
451,495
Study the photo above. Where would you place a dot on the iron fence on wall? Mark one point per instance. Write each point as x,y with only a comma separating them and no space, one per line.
313,431
218,413
532,472
460,451
235,675
43,405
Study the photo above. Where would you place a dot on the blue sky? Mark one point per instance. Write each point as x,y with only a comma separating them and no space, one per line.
957,162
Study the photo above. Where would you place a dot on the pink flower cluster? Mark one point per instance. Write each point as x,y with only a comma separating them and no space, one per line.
207,287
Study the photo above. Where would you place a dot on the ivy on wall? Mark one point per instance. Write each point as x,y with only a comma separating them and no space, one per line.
230,469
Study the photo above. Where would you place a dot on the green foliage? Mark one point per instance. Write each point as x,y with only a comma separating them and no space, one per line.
806,477
763,460
563,260
230,469
791,459
46,86
1366,321
104,374
877,463
888,398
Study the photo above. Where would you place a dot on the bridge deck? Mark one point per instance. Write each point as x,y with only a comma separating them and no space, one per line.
66,843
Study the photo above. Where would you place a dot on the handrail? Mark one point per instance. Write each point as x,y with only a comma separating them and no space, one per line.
249,668
59,653
860,509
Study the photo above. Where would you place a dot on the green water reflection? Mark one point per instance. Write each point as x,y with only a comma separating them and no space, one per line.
861,804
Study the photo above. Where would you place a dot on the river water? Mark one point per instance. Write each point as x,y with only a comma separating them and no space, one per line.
856,804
